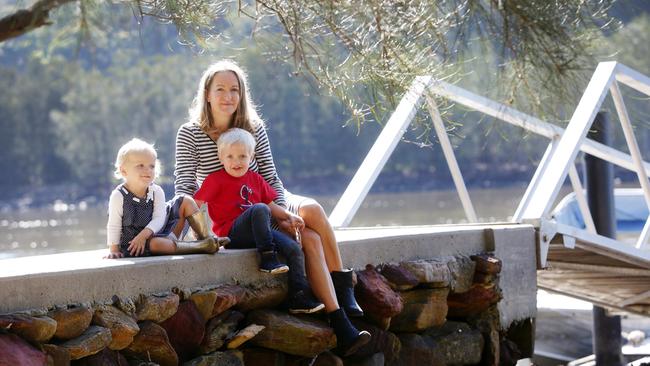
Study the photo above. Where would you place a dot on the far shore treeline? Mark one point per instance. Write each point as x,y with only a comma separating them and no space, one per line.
65,110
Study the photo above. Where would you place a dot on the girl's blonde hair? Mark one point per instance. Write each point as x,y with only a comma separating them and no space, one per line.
245,116
135,145
236,136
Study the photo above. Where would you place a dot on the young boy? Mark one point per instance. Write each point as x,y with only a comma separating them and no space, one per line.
240,204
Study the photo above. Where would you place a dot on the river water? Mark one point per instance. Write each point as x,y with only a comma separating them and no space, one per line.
65,226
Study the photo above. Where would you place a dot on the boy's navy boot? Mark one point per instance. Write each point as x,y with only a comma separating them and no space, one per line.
348,338
344,287
269,263
304,302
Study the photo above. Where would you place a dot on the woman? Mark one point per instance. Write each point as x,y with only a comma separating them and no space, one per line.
222,101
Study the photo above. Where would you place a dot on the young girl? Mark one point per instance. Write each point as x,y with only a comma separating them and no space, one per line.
240,204
140,223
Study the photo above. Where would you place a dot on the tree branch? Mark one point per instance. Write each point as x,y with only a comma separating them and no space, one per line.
26,20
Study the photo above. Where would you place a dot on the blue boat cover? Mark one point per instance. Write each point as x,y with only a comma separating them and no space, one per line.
631,210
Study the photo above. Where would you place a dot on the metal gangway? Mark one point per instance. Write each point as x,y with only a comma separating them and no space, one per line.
572,261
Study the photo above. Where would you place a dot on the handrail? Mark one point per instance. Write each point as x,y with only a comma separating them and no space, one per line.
556,164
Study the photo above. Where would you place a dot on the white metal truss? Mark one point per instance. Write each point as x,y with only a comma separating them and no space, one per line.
379,153
556,164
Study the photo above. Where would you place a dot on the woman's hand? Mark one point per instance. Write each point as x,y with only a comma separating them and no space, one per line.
137,245
288,222
292,225
296,222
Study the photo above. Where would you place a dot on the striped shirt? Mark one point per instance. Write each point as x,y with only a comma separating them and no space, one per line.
197,156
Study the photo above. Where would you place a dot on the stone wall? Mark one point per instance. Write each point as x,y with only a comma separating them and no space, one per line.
440,311
461,306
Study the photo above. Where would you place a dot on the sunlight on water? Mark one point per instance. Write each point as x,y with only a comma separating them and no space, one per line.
65,227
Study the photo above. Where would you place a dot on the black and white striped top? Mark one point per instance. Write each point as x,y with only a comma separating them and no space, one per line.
197,157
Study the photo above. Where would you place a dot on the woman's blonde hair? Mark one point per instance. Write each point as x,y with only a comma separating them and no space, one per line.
245,116
135,145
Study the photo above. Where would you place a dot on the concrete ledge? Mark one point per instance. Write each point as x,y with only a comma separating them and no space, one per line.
43,281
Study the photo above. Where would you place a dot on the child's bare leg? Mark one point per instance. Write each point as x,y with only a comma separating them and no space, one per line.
188,207
162,246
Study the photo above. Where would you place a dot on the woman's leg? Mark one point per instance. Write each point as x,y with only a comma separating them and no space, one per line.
349,339
342,280
315,219
317,272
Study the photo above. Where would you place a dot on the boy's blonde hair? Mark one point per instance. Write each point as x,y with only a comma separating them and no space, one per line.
236,135
135,145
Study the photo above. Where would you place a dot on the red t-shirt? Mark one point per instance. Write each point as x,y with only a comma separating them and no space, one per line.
227,197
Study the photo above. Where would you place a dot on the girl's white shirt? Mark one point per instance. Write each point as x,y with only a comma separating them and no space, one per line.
115,212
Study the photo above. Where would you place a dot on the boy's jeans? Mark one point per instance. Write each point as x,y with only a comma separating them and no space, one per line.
252,229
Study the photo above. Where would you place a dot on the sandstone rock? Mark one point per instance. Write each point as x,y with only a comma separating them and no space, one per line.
418,351
156,308
183,293
472,302
57,355
485,278
487,263
30,328
297,336
461,269
381,323
151,343
126,304
227,297
422,309
488,323
93,340
218,329
185,330
491,349
229,358
457,342
15,351
382,341
106,357
71,322
266,295
263,357
327,359
509,352
375,295
433,274
123,328
244,335
204,301
398,277
374,360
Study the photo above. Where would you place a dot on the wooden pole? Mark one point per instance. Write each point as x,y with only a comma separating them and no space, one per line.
600,195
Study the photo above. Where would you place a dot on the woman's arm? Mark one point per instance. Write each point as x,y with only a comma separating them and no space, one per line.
186,162
288,221
265,164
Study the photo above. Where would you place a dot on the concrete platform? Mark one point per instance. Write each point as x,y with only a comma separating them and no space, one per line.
43,281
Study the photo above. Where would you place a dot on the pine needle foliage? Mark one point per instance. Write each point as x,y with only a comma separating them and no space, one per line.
367,52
